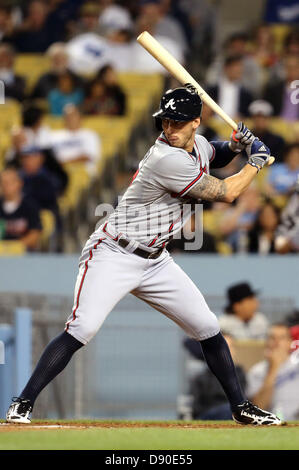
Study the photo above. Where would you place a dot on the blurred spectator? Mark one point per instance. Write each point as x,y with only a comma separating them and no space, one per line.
282,177
6,23
240,218
229,93
290,47
261,237
35,134
191,15
14,84
242,319
281,11
209,400
74,144
121,49
261,112
39,183
273,383
280,92
88,21
36,33
264,46
291,42
66,92
287,234
238,44
142,62
292,321
19,214
114,17
58,56
105,96
87,53
161,23
62,13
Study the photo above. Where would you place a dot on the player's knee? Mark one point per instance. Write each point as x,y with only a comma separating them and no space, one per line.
208,328
84,333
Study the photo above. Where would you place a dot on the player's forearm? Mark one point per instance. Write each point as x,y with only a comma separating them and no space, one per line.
238,183
210,188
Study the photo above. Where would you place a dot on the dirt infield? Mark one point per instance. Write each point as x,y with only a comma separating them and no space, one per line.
124,424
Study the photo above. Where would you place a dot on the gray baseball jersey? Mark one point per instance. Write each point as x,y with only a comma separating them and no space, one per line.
156,205
150,212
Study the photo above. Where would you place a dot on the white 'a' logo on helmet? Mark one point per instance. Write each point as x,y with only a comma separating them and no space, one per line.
170,104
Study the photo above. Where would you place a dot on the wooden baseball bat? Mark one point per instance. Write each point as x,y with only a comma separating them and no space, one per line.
180,73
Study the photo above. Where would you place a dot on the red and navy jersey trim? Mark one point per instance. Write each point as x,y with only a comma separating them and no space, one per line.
213,154
109,234
82,282
163,140
191,184
153,241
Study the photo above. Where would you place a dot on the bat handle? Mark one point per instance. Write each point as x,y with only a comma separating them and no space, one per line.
234,138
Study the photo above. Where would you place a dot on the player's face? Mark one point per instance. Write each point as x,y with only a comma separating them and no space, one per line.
246,308
180,133
279,337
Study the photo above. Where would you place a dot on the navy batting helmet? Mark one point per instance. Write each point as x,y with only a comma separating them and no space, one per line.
180,104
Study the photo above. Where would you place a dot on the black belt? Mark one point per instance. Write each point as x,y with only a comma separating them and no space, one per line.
139,251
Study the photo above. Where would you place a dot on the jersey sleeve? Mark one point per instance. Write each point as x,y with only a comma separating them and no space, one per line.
208,147
178,173
224,155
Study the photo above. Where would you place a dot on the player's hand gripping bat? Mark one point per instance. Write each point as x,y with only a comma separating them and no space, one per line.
180,73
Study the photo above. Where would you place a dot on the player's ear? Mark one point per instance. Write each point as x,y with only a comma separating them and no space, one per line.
196,123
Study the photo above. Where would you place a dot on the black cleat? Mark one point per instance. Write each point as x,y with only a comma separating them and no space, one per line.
248,413
19,411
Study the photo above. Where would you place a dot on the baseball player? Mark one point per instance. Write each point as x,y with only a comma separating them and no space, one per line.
127,253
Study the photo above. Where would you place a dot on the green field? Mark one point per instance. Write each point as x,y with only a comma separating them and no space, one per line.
90,435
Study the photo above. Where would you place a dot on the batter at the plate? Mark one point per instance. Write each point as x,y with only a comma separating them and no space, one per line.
128,252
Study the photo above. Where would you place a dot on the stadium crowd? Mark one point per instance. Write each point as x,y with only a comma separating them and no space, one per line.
253,76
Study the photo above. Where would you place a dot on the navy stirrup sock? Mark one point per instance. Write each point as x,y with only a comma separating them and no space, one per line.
53,360
219,360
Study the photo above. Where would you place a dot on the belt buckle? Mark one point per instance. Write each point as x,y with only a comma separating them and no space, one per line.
156,254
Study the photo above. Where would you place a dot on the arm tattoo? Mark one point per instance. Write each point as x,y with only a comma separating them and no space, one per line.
209,188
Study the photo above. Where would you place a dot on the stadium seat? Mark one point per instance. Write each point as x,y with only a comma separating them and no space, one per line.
48,226
249,352
11,248
31,66
79,180
10,117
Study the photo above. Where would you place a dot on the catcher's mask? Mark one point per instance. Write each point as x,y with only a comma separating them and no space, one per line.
180,104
